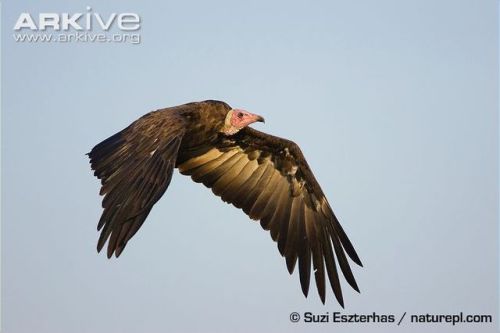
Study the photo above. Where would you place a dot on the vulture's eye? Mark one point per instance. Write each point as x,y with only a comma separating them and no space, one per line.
240,115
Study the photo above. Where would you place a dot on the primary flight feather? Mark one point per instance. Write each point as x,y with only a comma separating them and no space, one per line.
266,176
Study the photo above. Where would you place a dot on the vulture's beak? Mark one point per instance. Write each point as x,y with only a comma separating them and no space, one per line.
252,117
259,118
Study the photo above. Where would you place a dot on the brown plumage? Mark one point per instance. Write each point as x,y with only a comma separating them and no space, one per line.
266,176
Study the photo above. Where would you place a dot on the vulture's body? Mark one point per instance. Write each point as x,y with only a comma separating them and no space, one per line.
266,176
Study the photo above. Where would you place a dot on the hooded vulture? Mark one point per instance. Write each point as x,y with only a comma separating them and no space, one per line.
265,176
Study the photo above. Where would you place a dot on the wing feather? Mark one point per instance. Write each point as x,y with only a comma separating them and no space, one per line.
304,251
270,180
223,182
278,188
229,193
283,219
263,197
331,267
200,172
135,168
256,191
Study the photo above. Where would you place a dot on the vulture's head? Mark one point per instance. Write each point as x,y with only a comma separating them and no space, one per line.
236,119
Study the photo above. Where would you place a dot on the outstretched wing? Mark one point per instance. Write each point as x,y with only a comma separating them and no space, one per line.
135,168
271,181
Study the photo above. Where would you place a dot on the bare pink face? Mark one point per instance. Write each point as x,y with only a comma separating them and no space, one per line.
241,118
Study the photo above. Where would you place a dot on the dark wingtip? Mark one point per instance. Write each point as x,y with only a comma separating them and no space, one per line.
281,248
356,259
119,250
290,264
340,299
305,289
110,252
352,282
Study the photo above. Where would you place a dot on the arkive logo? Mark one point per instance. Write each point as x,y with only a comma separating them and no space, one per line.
86,27
87,21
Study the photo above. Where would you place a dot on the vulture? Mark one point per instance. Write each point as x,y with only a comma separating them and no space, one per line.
264,175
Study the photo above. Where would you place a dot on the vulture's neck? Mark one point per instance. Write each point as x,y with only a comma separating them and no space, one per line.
228,128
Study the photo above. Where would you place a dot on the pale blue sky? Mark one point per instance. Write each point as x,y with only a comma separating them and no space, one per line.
394,104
